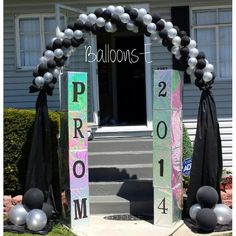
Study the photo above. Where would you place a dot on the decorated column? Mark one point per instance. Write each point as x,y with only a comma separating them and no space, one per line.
74,146
167,147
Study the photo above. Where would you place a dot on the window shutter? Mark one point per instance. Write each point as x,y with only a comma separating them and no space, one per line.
180,18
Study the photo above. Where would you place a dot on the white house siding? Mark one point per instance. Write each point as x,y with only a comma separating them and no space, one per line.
16,82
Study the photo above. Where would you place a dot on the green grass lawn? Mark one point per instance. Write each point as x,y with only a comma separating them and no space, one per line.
58,230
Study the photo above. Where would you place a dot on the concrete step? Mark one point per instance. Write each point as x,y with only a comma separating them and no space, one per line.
117,158
123,189
120,145
119,172
118,205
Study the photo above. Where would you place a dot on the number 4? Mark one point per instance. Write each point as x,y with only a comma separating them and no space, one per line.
162,206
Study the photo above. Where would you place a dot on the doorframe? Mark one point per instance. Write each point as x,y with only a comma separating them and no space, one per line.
148,84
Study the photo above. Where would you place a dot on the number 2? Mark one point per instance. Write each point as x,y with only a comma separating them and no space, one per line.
162,93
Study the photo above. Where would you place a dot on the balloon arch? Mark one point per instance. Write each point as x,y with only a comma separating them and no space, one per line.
110,20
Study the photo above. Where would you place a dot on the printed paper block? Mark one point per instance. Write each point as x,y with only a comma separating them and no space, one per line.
167,129
167,90
167,205
167,164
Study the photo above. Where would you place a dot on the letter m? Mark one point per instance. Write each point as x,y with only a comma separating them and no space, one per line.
80,209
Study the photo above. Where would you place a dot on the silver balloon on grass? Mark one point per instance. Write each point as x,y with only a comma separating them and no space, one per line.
39,81
17,214
223,214
36,220
194,210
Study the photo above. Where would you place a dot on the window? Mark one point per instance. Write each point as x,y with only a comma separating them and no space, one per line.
212,29
33,34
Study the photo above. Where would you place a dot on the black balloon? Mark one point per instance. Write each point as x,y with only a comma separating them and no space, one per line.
127,9
206,220
98,12
48,210
54,80
35,72
184,51
201,55
201,63
42,69
163,34
33,198
71,26
185,41
60,62
49,89
57,44
133,14
199,83
79,25
33,89
75,43
207,196
155,17
95,29
115,19
198,73
66,43
88,26
81,41
49,46
107,15
138,21
177,28
51,64
182,33
160,25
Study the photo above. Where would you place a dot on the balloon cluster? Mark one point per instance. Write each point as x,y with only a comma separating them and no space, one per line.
111,19
207,213
33,211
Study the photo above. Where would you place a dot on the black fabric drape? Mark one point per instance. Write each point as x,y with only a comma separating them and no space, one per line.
207,154
39,169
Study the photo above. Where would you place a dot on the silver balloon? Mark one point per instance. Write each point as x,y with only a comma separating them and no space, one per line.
59,34
177,56
78,34
172,33
58,53
111,8
130,26
119,10
49,54
175,50
92,18
39,81
69,33
208,68
17,214
207,76
48,77
168,25
194,210
223,214
189,70
56,73
176,40
125,18
154,36
142,12
43,60
147,19
192,44
109,27
151,28
192,62
83,17
193,52
100,22
36,220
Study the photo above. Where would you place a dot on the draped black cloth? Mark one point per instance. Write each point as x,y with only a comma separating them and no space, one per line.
207,154
39,169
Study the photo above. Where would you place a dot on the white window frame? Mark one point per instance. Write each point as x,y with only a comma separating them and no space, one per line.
41,32
216,26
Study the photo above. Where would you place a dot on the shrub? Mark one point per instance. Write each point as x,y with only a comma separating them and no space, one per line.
187,146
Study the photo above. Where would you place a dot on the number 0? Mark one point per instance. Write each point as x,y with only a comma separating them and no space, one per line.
158,130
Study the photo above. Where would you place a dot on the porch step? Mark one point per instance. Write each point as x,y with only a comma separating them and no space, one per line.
123,189
117,205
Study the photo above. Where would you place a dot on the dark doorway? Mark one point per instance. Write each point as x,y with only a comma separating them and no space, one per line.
122,95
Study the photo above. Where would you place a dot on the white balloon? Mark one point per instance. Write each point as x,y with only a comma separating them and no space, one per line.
130,26
142,12
172,33
17,214
83,17
56,72
48,77
125,18
119,10
175,50
78,34
147,19
111,8
58,53
168,25
49,54
59,34
194,209
223,214
108,27
154,36
177,56
92,18
36,220
189,70
207,76
193,52
192,62
151,28
176,40
43,60
69,33
208,68
192,44
39,81
100,22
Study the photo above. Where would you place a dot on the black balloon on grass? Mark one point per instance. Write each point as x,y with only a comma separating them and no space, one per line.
51,64
33,198
207,196
79,25
66,43
206,220
48,210
155,17
98,12
185,41
42,69
106,15
160,25
201,63
133,14
57,44
198,73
